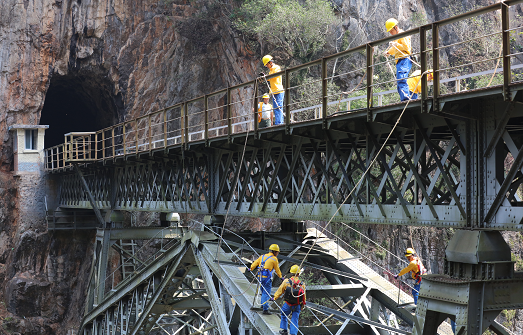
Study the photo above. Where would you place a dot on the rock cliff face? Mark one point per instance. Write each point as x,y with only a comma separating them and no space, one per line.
81,65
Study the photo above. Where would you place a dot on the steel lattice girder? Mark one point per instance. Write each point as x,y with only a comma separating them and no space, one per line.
424,175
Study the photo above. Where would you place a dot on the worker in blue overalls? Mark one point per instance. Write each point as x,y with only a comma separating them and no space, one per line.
267,264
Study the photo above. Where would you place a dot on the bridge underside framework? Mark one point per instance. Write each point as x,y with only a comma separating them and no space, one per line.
196,284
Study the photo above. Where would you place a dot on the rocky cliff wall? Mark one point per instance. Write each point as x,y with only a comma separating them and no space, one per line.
80,65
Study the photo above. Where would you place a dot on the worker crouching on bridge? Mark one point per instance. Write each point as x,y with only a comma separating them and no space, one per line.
416,270
401,50
265,115
276,89
293,291
414,83
267,264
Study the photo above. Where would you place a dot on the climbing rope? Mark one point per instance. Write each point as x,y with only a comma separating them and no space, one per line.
366,171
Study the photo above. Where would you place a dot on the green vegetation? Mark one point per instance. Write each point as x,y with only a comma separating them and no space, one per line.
299,29
509,316
519,262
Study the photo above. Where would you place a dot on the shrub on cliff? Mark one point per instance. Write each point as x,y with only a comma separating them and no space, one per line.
298,28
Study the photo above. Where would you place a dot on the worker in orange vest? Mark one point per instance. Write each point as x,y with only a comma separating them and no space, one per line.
267,264
265,115
416,270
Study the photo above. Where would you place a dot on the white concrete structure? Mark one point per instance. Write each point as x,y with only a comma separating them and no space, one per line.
28,146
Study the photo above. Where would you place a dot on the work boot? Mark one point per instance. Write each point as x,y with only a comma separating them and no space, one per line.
283,332
266,312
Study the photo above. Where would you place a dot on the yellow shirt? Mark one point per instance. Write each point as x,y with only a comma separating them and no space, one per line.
412,267
414,87
401,49
286,283
276,86
270,263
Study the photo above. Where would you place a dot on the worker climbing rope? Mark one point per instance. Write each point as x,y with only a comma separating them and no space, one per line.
267,264
416,269
401,50
276,88
293,291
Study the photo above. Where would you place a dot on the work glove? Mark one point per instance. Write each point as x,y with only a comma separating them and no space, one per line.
395,276
272,299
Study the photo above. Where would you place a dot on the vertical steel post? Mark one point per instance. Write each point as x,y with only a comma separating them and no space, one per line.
370,62
229,116
206,119
150,134
324,99
165,128
123,140
186,124
136,136
507,76
112,141
103,144
423,60
255,107
286,103
435,66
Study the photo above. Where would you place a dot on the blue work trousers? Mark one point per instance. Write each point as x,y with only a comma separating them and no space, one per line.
413,96
277,105
266,286
415,292
292,312
403,67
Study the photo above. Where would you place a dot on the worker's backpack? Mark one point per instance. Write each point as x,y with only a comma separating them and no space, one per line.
294,293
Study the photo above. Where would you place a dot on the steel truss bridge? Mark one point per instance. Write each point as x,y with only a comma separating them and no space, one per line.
453,158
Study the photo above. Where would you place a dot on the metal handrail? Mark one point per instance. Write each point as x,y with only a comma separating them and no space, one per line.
156,130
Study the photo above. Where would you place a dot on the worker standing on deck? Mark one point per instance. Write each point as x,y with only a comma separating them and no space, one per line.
401,50
265,115
293,291
416,270
276,88
415,85
267,264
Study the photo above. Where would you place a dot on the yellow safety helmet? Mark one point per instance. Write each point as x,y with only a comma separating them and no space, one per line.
295,269
409,252
274,247
265,96
391,23
266,59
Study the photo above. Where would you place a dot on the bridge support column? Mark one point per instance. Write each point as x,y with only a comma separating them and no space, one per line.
478,283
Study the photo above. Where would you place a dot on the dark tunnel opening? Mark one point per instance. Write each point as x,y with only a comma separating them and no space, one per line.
77,104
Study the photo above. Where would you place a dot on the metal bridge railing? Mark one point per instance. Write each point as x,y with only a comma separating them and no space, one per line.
485,45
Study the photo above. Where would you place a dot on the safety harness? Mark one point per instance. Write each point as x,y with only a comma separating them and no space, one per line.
421,270
262,271
294,293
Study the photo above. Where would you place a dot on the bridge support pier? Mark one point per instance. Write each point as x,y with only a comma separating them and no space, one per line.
478,283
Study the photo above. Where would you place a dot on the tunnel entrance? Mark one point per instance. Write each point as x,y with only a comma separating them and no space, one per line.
76,103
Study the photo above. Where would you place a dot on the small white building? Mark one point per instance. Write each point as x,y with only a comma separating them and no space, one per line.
28,146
